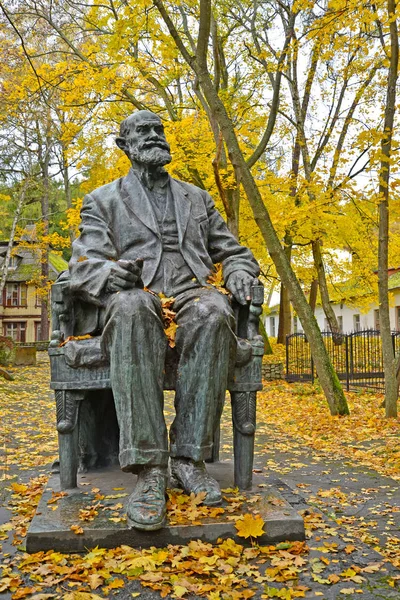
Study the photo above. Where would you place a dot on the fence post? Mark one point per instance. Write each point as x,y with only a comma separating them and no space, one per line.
287,355
347,364
351,357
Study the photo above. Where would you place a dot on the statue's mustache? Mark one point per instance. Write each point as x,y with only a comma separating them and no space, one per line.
159,144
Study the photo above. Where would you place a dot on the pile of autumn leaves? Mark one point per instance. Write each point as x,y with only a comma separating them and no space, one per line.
224,570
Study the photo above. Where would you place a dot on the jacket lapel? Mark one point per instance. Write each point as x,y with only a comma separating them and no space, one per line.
138,203
182,208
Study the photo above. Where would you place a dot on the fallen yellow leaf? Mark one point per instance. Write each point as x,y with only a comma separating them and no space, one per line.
250,526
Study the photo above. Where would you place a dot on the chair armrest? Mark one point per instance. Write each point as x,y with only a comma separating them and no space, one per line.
62,310
248,317
255,310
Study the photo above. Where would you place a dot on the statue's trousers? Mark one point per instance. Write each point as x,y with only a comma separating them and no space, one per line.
134,340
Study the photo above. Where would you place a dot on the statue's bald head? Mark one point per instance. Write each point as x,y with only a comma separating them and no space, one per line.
139,117
143,140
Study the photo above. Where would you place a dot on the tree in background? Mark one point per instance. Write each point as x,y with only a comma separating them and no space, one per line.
270,106
390,362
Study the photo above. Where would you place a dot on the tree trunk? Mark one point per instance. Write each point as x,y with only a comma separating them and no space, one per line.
44,160
285,312
285,316
389,361
230,197
312,299
264,334
67,189
44,314
6,264
323,288
234,201
327,376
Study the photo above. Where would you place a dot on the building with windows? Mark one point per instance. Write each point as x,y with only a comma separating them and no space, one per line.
20,306
349,318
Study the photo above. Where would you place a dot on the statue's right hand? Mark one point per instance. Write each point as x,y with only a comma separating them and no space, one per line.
124,275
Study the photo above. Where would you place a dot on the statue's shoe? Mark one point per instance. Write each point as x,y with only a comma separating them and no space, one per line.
193,477
146,506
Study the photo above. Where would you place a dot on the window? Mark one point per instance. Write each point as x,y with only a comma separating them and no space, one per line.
38,331
340,323
272,332
15,294
16,331
12,290
376,319
14,261
357,322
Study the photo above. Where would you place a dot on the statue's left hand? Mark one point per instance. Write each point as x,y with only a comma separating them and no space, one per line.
239,284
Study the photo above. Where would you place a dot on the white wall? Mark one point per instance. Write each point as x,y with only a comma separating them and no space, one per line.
347,314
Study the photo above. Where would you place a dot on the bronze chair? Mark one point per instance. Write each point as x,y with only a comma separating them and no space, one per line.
86,420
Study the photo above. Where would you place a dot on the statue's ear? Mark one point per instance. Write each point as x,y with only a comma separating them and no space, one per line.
121,143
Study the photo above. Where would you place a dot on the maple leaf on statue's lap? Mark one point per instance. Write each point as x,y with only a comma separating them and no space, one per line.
216,279
168,315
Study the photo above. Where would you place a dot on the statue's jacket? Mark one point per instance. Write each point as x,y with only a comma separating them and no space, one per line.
118,222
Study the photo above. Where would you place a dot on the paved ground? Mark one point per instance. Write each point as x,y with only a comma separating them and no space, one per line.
353,512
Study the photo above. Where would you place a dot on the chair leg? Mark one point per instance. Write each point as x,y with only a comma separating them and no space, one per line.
69,459
244,426
67,404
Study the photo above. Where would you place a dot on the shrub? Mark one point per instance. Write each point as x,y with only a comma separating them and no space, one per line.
7,350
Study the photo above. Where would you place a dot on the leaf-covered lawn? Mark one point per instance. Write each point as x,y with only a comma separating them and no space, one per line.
352,541
27,416
365,436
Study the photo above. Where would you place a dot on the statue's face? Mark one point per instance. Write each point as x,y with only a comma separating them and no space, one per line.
146,143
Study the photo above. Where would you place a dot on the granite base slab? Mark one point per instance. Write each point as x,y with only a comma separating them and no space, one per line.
51,525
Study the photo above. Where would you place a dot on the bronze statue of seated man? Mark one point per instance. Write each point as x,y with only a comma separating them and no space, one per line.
144,233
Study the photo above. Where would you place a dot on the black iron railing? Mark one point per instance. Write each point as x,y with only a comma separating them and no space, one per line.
357,360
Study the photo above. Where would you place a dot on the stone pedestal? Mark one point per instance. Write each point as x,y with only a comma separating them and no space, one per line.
25,356
51,529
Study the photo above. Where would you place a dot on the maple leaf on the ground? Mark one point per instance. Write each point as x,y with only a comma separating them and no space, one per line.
76,529
23,592
116,583
197,498
81,596
19,488
95,580
373,568
250,526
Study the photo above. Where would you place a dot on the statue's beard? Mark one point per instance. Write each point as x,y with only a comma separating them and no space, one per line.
157,156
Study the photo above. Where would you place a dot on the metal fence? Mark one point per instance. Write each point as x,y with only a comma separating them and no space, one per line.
358,360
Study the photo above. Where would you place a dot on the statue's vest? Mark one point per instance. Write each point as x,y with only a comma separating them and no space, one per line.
173,274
